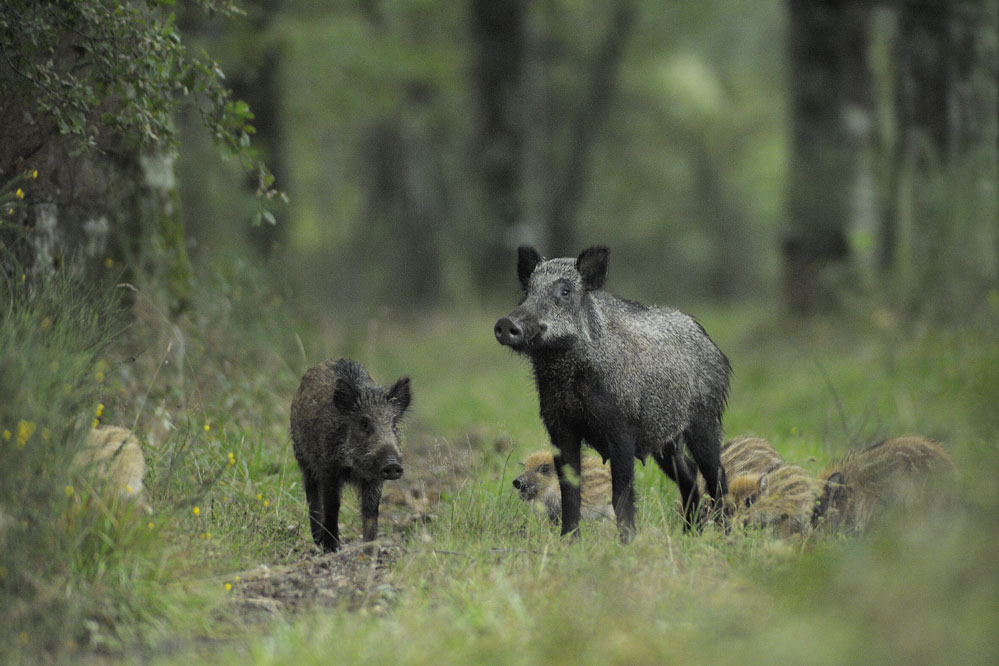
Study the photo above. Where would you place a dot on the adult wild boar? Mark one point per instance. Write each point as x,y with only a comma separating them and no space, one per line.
344,429
631,380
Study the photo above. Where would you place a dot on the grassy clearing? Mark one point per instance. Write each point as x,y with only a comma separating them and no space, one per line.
485,581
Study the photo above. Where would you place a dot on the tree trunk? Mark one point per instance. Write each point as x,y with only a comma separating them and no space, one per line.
498,33
944,159
831,115
590,113
406,206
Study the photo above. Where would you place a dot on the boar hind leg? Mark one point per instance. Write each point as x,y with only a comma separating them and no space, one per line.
704,441
683,471
371,496
329,534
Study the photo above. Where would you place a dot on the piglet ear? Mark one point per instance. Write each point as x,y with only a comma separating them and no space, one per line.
527,260
400,395
835,489
592,266
764,482
345,396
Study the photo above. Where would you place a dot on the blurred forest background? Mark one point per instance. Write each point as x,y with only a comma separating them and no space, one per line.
199,199
822,154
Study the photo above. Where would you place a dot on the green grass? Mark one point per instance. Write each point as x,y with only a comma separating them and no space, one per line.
486,581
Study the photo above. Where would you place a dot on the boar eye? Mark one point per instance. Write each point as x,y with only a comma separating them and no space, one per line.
563,292
365,426
545,469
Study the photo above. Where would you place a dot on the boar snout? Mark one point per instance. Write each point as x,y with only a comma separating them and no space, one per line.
518,483
517,333
392,469
509,332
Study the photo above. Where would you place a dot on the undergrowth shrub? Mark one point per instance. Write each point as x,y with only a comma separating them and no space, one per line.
53,526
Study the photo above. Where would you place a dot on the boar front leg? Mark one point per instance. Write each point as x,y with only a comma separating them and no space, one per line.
568,443
329,535
371,497
315,503
622,464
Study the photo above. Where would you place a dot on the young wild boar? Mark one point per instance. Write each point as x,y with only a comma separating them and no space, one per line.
344,429
629,379
893,473
741,456
113,455
782,498
539,484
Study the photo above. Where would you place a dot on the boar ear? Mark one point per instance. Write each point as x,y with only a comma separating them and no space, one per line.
400,395
345,396
764,482
592,265
527,260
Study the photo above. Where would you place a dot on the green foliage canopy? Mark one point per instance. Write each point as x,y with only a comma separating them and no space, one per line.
104,70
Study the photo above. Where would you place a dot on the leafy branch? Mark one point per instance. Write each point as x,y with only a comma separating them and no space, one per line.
104,71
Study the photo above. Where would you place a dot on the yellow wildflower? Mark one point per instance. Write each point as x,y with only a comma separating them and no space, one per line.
232,458
150,525
267,503
207,427
69,491
237,579
19,194
196,511
6,435
25,429
34,174
228,587
260,496
100,409
95,423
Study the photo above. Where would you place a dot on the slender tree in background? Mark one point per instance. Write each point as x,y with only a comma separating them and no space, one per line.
945,113
514,63
497,28
831,119
586,119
